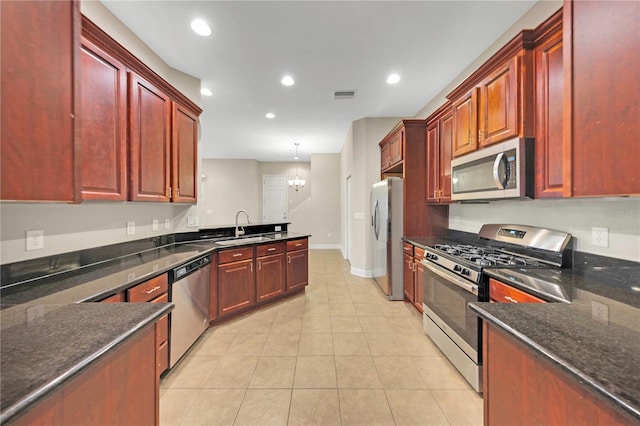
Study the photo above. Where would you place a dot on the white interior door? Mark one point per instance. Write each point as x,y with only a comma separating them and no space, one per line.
274,198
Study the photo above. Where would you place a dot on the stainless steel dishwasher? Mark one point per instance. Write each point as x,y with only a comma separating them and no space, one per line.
190,295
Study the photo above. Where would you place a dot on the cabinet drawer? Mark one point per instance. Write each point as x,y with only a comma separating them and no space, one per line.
407,249
418,254
233,255
297,244
269,249
162,330
148,290
503,293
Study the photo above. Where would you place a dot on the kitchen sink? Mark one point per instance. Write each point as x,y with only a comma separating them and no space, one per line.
247,240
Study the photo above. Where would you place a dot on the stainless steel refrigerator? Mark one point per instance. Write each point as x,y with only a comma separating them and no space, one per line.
386,238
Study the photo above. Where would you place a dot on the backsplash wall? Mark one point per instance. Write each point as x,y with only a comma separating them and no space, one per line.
576,216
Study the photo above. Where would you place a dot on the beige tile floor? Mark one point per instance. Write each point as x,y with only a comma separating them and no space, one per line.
337,354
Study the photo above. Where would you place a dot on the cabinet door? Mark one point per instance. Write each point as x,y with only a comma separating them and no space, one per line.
396,148
503,293
433,163
418,297
270,277
236,287
549,116
408,278
384,157
103,102
150,115
297,269
213,289
40,88
446,141
184,155
465,123
499,105
601,156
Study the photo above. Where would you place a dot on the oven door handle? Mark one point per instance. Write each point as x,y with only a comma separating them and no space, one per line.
453,279
500,174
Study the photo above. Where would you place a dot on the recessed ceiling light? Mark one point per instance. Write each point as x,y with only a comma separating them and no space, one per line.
206,91
393,79
270,115
287,80
200,27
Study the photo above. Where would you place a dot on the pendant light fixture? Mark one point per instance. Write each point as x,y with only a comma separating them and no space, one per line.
296,183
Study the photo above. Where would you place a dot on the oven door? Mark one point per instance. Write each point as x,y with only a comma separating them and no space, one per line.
446,296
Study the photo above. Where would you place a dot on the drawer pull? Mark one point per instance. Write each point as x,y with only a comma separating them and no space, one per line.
271,249
298,245
237,254
153,289
511,299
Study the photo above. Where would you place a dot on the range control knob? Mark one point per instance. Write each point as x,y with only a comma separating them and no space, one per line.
465,271
457,268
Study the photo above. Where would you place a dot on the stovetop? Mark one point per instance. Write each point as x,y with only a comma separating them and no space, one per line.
478,257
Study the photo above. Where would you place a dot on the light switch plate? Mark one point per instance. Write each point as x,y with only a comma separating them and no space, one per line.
193,221
131,228
154,224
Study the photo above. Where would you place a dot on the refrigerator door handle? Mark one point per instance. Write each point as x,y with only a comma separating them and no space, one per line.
376,227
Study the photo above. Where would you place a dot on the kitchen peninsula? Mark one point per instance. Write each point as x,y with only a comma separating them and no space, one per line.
53,345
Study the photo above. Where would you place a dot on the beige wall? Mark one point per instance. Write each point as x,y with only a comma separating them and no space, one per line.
361,160
232,185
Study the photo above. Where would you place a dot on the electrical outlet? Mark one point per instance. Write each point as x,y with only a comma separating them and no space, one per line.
599,311
34,240
131,228
278,228
600,237
154,224
192,222
167,224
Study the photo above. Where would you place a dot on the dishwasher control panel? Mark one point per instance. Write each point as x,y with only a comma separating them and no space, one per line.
191,266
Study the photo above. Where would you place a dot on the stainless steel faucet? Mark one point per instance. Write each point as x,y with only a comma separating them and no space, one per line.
240,230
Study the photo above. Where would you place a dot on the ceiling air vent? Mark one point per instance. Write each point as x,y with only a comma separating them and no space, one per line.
344,94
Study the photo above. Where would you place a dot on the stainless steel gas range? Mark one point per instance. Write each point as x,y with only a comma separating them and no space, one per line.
453,278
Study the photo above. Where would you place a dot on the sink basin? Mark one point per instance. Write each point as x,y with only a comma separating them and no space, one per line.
239,241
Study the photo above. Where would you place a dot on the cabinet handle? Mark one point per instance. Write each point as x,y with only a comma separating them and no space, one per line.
511,299
480,135
177,192
289,259
259,266
237,254
153,289
251,267
271,249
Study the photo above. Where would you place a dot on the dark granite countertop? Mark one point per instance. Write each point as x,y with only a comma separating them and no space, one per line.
102,279
38,355
601,355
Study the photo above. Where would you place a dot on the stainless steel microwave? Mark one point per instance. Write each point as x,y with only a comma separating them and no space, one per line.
503,170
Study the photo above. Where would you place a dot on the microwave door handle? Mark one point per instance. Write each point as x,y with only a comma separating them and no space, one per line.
499,180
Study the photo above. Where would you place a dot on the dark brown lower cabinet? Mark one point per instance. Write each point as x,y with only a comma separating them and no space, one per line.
270,277
407,277
236,287
297,269
120,389
519,386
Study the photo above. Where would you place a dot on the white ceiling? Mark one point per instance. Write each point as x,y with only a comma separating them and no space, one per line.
325,46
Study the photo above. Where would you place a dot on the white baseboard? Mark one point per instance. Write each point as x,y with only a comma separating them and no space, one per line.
364,273
325,247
